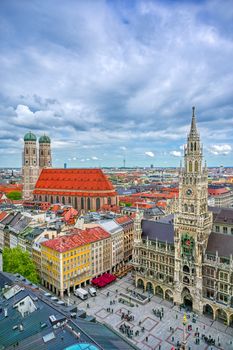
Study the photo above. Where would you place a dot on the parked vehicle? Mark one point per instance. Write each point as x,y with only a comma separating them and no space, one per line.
81,293
92,291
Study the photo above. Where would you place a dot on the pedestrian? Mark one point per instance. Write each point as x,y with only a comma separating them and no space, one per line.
146,339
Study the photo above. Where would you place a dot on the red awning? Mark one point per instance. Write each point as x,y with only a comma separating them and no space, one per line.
103,280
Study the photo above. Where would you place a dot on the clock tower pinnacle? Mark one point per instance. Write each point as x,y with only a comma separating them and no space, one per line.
193,222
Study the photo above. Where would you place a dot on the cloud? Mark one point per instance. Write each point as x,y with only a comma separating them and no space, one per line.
220,149
149,154
175,153
94,158
108,82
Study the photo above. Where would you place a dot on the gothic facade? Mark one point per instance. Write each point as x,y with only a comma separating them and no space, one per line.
180,257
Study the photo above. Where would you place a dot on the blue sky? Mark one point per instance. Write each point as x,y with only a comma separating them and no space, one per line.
113,79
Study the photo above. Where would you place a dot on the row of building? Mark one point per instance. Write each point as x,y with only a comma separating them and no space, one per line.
68,256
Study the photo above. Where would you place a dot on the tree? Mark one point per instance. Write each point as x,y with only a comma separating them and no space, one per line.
14,195
15,260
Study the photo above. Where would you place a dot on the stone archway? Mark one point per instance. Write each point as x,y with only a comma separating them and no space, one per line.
159,291
140,283
208,311
169,295
187,299
150,287
221,316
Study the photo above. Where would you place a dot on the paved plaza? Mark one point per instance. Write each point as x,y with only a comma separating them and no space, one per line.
154,333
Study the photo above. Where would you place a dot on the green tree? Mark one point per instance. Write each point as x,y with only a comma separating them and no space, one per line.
14,195
15,260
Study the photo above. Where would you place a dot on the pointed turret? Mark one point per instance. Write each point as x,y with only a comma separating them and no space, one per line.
193,130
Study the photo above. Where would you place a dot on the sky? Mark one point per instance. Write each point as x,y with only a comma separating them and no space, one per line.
115,80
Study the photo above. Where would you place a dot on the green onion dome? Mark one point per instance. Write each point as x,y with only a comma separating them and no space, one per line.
44,139
30,136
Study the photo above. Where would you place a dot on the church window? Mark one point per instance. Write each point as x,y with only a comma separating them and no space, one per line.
34,151
82,203
186,268
51,199
41,152
26,151
196,166
192,208
191,146
185,208
45,198
88,203
57,199
40,199
186,280
63,200
195,146
97,203
190,166
109,201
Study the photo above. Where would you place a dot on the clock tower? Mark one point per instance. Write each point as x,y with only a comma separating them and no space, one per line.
192,224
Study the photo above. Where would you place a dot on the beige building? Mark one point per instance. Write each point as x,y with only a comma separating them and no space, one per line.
117,243
32,164
180,257
127,225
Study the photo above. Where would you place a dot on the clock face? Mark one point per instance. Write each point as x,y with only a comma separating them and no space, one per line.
189,192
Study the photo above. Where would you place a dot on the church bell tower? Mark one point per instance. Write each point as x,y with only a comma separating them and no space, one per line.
193,223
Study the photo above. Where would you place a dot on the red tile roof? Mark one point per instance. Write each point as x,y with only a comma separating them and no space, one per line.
3,214
74,182
76,239
124,219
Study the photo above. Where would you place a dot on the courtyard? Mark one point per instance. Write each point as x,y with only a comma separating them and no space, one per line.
157,324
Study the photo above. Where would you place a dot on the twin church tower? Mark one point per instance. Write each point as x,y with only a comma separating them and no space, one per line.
34,161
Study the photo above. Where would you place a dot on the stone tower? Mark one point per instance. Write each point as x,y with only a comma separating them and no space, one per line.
45,159
30,165
137,239
193,223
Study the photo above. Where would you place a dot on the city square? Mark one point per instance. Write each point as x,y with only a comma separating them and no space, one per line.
154,333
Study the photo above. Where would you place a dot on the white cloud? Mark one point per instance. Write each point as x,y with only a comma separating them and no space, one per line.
149,154
123,148
94,158
220,149
175,153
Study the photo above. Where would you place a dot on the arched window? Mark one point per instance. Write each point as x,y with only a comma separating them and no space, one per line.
69,200
75,203
195,146
26,150
82,203
46,199
191,146
88,203
40,199
51,199
97,203
190,166
185,208
63,200
196,166
41,152
186,269
109,201
192,208
57,199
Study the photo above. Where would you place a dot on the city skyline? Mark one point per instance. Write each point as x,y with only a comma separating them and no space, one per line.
117,85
